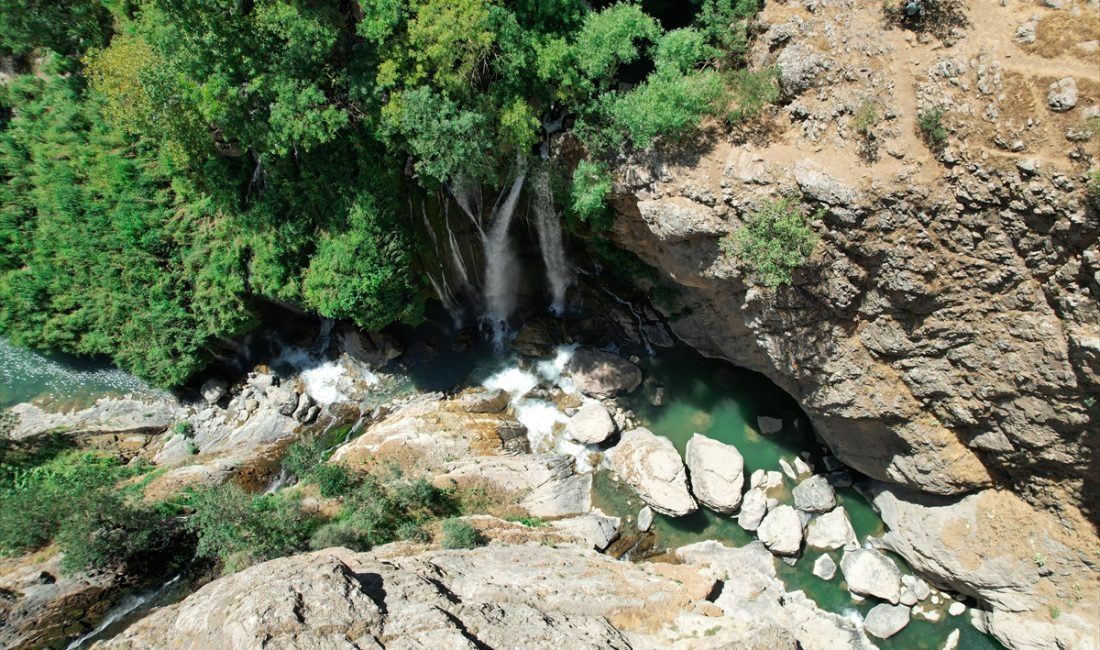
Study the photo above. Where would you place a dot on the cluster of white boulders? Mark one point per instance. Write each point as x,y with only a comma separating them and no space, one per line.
712,475
261,387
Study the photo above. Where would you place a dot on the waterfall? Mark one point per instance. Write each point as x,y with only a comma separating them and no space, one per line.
126,606
501,274
456,253
549,229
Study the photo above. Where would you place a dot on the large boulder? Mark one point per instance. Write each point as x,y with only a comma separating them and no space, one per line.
717,473
884,621
372,349
832,530
824,567
602,374
814,495
591,424
212,390
651,465
595,528
107,416
753,509
781,531
1062,95
870,573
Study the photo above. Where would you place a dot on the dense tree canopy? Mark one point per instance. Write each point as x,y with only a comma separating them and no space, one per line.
165,165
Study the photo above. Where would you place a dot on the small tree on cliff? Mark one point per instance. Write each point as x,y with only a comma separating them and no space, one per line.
775,239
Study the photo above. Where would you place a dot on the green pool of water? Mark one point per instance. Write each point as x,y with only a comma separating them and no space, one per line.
711,398
60,381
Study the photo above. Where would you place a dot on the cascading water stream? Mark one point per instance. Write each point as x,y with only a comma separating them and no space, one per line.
553,253
501,274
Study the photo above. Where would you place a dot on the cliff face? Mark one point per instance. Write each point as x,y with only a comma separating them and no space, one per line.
945,333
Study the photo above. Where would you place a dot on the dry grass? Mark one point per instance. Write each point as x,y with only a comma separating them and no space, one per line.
479,495
1058,34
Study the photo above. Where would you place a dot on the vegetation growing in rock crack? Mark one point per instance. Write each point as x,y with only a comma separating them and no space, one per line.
167,167
774,240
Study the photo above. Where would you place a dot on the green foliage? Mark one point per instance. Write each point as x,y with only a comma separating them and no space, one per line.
683,50
304,454
460,534
589,191
66,27
240,530
361,273
340,533
931,126
614,37
1093,186
72,497
775,240
751,92
183,428
725,25
666,104
333,480
395,509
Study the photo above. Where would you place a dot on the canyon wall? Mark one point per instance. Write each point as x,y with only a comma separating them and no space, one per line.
945,332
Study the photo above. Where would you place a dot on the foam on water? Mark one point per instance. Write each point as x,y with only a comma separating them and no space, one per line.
512,380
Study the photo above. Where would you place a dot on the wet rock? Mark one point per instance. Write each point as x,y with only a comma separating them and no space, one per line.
824,567
602,374
284,400
781,531
753,509
956,608
305,405
768,425
651,465
814,495
482,400
645,518
591,424
212,390
832,530
372,349
717,473
1062,95
884,621
870,573
261,381
787,469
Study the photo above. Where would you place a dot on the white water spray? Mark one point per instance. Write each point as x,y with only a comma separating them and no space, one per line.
123,608
501,274
553,253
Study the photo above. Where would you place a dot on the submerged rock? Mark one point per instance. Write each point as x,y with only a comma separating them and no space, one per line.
824,567
884,621
768,425
781,531
717,473
814,495
832,530
602,374
870,573
651,465
591,424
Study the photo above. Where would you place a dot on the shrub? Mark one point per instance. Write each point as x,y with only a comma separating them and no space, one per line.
333,480
339,533
36,499
460,534
863,123
590,189
931,127
183,428
774,240
751,92
241,529
108,532
303,455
